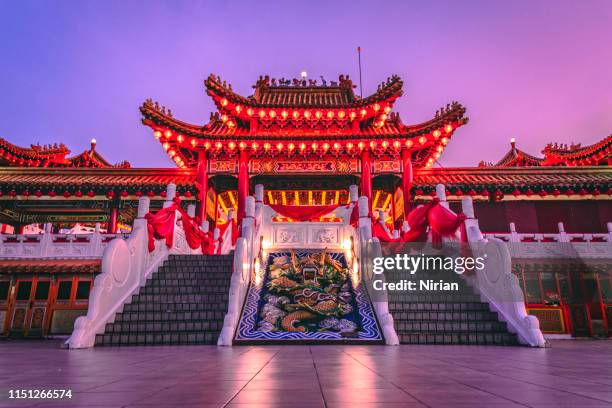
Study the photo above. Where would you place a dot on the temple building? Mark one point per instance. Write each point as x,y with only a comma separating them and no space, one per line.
305,144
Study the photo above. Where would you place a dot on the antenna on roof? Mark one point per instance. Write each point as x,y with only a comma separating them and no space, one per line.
360,84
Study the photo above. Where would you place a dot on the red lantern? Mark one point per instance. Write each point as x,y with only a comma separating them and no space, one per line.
12,193
583,192
529,192
124,193
66,194
596,192
110,194
458,192
25,193
187,194
150,193
472,193
486,193
163,194
516,192
543,193
138,193
556,192
569,192
79,193
90,193
38,193
51,193
419,191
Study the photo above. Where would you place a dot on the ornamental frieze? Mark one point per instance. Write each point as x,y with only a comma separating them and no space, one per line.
387,166
223,166
271,166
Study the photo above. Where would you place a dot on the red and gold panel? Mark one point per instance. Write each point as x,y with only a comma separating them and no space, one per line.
223,166
551,319
272,166
387,166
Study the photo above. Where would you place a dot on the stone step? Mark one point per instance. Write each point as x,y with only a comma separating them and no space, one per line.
184,302
158,338
183,290
214,296
165,326
436,326
498,339
438,307
171,316
174,307
480,316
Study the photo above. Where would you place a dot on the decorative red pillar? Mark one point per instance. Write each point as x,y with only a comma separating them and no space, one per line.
366,175
112,220
243,183
406,179
202,185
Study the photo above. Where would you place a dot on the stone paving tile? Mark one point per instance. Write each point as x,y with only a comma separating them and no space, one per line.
570,374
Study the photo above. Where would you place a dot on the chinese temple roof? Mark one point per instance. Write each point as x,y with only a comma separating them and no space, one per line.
50,266
132,183
599,153
304,119
52,156
577,155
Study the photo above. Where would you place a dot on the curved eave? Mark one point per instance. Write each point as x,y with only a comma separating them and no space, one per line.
390,92
585,155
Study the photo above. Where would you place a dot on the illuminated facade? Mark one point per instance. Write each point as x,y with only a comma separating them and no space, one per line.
305,142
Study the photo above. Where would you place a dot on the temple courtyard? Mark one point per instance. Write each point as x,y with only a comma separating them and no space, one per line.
568,374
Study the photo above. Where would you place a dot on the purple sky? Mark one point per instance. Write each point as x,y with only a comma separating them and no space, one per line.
539,71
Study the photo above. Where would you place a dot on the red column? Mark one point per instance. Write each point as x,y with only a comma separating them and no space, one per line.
243,183
366,175
112,219
406,179
202,185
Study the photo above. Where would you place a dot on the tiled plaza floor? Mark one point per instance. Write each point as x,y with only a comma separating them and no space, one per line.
570,374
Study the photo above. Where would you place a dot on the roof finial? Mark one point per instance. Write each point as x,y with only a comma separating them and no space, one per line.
513,143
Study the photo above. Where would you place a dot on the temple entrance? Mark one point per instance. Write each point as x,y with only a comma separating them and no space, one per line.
30,307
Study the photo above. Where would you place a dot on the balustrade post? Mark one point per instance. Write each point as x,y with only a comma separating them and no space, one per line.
514,236
143,209
365,222
441,194
353,193
205,226
191,210
170,194
563,237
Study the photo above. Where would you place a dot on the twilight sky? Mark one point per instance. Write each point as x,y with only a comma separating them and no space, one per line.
539,71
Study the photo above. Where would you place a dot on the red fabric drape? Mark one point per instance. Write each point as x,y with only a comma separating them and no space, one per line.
439,219
354,220
303,212
443,222
161,225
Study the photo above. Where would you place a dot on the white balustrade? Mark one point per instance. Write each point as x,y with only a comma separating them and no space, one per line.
126,266
48,245
496,284
556,245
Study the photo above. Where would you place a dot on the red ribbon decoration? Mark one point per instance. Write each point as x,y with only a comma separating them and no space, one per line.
161,226
303,212
441,220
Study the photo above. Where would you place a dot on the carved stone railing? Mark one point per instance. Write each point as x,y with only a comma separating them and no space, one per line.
556,245
247,258
365,242
496,284
48,245
126,266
